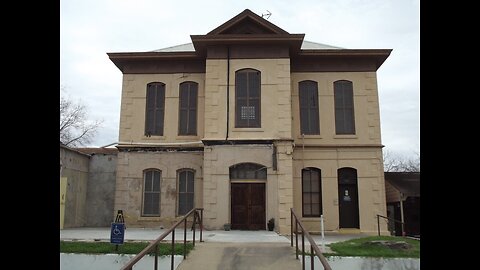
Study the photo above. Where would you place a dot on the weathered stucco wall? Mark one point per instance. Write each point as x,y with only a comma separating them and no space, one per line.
129,184
74,166
101,190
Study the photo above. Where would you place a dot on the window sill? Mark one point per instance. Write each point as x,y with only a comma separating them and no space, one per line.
185,137
154,138
310,218
153,218
318,136
248,129
347,136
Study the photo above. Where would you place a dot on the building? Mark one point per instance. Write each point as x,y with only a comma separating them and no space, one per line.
87,186
247,122
403,202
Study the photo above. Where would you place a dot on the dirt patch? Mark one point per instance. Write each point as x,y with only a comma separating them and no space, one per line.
396,245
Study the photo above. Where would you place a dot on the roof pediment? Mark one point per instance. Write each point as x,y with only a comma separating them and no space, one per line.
247,22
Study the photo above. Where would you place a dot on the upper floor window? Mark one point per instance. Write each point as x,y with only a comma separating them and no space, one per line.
155,109
151,192
187,115
309,119
186,191
344,111
247,98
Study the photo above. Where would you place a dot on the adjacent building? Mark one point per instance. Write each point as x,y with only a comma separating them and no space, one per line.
403,202
248,121
87,186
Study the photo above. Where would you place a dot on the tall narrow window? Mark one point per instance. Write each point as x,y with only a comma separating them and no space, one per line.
344,114
155,109
247,98
311,192
186,189
308,95
151,193
187,116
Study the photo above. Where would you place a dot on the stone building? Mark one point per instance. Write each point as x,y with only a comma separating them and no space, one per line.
247,122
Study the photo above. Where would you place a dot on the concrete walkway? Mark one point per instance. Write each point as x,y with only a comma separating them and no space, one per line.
235,249
241,256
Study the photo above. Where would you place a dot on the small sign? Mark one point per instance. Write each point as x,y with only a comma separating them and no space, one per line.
117,233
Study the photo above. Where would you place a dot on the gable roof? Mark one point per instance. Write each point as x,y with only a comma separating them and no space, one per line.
248,30
247,22
306,45
407,183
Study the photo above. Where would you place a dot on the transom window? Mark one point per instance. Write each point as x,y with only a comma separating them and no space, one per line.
248,171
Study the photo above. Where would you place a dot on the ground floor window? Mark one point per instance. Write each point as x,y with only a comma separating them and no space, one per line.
186,189
311,192
151,192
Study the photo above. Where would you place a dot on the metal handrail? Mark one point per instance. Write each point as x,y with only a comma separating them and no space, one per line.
394,220
154,244
314,249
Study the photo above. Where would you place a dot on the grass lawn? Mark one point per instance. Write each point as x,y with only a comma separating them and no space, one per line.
126,248
363,247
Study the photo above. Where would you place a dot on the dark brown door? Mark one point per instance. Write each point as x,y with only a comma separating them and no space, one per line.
348,206
248,206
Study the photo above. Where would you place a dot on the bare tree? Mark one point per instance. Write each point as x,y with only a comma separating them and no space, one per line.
393,162
75,128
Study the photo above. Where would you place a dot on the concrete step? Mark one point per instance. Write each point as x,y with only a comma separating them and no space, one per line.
241,256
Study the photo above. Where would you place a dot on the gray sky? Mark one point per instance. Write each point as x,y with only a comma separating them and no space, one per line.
91,28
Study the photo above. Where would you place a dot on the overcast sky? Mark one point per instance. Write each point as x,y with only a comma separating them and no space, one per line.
91,28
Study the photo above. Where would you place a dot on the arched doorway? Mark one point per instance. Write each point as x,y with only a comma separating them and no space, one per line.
247,186
348,198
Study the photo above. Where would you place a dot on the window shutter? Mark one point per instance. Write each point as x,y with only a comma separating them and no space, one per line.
150,110
192,112
188,108
159,110
344,108
309,108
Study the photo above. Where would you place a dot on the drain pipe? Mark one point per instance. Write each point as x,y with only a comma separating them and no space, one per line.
228,91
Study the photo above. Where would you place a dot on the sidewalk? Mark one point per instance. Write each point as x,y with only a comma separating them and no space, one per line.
234,236
147,234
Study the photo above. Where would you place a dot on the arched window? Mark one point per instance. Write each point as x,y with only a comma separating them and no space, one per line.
247,98
151,192
155,109
309,117
187,108
344,111
186,191
248,171
311,192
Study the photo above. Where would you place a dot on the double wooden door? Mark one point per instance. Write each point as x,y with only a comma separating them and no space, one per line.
248,206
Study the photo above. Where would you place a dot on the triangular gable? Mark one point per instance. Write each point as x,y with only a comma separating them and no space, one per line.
247,22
